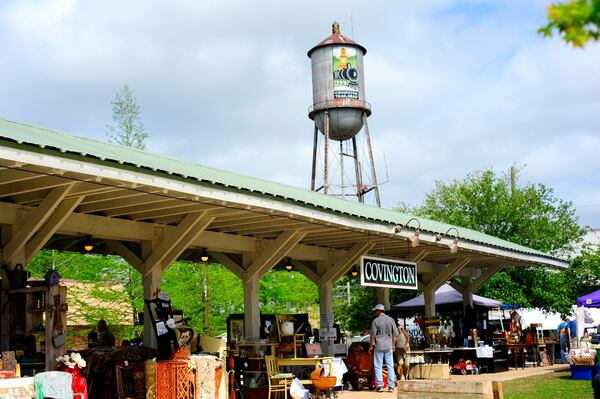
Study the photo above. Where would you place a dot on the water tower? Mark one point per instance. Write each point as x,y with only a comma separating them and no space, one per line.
340,111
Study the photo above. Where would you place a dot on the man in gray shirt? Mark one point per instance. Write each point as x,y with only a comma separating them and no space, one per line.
384,337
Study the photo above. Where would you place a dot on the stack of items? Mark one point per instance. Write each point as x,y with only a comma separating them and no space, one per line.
583,362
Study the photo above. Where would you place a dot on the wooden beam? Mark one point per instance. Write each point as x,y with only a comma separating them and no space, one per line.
8,176
37,218
346,261
60,214
273,253
124,252
485,276
306,271
229,263
82,189
183,210
118,203
41,183
185,241
176,242
418,256
449,271
114,194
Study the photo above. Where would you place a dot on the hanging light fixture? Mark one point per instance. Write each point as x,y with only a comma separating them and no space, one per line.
414,240
88,244
354,271
454,244
288,265
204,257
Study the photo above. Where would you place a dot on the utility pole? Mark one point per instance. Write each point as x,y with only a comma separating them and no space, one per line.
513,179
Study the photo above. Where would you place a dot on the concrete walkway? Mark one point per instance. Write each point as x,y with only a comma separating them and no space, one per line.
505,376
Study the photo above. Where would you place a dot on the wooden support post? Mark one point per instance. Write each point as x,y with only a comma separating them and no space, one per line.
151,282
52,352
251,308
383,297
326,308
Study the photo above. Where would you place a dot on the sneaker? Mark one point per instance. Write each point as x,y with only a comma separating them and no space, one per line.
390,389
379,389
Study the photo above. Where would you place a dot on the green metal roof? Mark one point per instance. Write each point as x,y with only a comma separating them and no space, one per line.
60,144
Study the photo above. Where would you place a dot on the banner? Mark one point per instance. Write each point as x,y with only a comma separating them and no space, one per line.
345,72
391,273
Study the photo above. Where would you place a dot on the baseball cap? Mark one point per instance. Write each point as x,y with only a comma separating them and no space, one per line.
378,307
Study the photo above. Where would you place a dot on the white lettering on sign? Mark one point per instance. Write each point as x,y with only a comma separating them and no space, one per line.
392,273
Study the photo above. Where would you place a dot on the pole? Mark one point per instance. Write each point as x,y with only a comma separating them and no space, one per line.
342,168
314,160
372,163
359,191
326,158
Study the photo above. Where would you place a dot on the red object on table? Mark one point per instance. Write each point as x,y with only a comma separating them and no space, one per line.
7,374
79,382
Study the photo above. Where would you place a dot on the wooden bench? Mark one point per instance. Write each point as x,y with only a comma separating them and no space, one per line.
449,389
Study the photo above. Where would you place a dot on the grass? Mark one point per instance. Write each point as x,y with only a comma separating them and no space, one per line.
552,385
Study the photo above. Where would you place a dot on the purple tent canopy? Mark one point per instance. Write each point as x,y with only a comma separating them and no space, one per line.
590,300
446,297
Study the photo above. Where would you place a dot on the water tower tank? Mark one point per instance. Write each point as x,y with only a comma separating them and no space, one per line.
338,85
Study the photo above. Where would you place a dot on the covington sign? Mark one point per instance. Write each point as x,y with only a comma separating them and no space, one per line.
380,272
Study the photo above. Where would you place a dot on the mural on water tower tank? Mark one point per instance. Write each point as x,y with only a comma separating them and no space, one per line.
345,74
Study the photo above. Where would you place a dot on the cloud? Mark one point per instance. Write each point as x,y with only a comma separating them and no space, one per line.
454,86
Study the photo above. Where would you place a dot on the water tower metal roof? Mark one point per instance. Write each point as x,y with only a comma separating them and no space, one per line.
336,38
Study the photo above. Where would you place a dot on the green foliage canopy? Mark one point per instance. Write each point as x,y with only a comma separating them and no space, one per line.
577,21
529,215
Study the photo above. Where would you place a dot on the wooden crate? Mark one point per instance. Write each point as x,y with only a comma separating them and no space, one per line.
429,371
448,389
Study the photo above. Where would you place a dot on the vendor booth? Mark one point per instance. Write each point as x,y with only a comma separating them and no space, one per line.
468,338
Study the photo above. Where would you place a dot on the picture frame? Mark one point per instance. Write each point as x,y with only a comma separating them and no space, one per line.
235,329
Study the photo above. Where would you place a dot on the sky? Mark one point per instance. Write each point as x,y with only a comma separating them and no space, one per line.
455,86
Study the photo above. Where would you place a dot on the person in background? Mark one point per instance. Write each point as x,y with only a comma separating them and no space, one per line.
573,341
564,334
315,336
106,338
402,353
92,338
384,338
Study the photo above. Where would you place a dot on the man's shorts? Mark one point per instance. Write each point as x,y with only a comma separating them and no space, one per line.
402,356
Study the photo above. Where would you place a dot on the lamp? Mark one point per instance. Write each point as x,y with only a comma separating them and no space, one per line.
354,272
204,257
288,265
414,240
454,244
88,244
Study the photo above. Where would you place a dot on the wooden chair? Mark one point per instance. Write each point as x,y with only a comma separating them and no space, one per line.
278,382
295,339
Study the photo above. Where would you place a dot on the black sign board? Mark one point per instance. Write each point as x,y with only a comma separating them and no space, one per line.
391,273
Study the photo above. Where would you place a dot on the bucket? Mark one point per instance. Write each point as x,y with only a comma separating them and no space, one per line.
287,327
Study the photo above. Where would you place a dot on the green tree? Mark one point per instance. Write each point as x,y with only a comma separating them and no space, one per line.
583,276
529,215
128,129
577,21
100,273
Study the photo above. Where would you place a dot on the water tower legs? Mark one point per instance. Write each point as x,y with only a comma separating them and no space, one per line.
371,162
314,160
360,189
